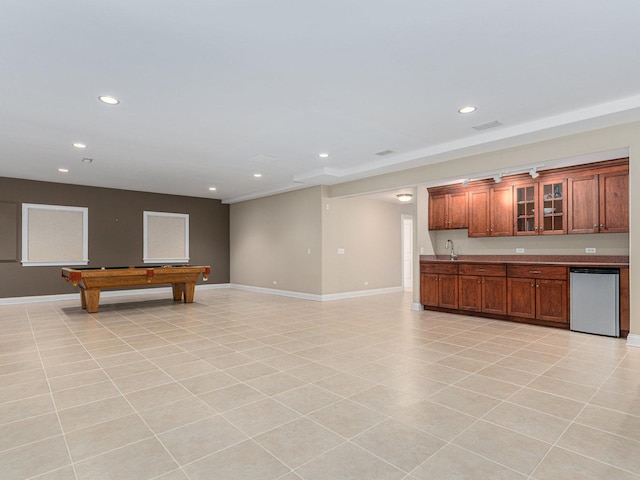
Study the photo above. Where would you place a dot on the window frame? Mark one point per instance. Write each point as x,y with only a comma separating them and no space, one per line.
145,233
26,262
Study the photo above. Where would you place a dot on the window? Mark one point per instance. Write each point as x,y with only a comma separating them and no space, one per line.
54,235
166,237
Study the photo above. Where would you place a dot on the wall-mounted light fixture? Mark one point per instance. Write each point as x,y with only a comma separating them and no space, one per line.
405,197
497,177
465,182
534,173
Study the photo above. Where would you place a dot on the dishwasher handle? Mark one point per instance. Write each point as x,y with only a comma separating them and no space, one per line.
595,271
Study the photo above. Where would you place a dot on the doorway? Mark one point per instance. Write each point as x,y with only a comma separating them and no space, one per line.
407,253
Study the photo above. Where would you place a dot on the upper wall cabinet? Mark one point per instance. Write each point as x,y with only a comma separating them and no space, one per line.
448,211
591,198
540,208
490,212
599,203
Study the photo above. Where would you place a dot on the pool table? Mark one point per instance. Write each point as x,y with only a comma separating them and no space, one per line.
91,280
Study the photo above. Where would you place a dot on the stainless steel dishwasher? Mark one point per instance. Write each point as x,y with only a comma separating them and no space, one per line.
595,300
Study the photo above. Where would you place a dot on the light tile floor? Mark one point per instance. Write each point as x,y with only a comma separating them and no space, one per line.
247,386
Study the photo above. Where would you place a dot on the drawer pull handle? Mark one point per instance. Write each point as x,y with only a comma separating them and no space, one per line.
534,271
482,269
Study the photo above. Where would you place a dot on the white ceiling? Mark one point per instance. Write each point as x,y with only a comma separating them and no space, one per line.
213,91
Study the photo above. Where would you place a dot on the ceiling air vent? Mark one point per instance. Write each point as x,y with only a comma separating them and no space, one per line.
485,126
384,152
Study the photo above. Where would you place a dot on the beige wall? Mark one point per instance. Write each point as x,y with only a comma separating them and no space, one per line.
604,243
369,231
624,136
270,238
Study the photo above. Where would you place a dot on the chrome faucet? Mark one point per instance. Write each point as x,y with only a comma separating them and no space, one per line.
454,255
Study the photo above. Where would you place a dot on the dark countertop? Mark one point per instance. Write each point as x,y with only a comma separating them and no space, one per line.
615,261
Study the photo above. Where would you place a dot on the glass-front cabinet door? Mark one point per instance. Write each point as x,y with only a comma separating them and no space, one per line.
540,208
525,209
552,209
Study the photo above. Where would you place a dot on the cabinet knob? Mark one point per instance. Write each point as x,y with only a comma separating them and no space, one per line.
533,285
537,286
595,226
602,225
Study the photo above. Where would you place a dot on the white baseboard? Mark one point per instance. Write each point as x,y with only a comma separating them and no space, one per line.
316,297
418,307
213,286
103,294
633,340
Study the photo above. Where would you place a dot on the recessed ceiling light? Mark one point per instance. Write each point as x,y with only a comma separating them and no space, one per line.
323,155
79,145
63,170
109,100
213,189
257,175
467,109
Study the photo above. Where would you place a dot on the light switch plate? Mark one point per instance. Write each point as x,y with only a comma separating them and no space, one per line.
590,250
519,250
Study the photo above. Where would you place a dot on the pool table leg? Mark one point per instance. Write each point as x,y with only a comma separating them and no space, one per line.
92,299
83,299
189,290
178,290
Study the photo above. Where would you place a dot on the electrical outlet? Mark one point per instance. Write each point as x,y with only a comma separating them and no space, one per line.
519,250
590,250
341,251
366,283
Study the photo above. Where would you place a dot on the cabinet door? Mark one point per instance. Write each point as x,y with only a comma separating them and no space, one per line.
501,205
551,300
470,296
448,291
457,211
437,212
582,193
494,295
526,221
552,204
521,297
479,213
614,202
429,289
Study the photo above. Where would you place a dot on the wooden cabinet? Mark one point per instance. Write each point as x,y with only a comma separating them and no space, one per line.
483,288
439,285
538,292
448,211
540,208
599,203
590,198
490,212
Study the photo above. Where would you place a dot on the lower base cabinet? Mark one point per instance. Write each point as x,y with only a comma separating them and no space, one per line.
538,292
483,288
439,285
535,293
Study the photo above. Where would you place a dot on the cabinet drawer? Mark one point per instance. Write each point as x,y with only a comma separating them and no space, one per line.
486,270
451,268
537,271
